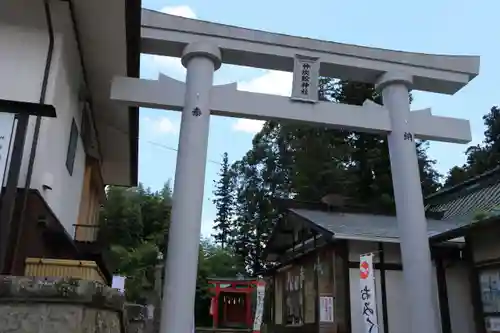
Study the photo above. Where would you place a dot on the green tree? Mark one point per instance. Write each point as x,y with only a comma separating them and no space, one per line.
135,222
482,157
224,203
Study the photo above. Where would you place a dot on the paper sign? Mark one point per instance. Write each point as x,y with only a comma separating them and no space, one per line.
494,324
326,309
367,293
259,308
118,283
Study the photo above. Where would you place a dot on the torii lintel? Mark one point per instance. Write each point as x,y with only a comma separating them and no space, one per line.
226,100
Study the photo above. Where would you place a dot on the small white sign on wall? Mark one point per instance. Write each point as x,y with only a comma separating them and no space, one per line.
326,309
494,324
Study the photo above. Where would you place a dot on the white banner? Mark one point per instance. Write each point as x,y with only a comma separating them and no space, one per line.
259,308
367,293
326,309
6,129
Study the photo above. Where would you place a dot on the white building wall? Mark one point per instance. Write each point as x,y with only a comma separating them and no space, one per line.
24,42
397,308
459,301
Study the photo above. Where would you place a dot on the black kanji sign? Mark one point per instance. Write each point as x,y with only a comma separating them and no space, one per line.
196,112
408,136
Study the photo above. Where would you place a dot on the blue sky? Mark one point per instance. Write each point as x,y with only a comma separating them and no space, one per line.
442,27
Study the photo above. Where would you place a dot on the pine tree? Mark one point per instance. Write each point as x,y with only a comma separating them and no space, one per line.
224,203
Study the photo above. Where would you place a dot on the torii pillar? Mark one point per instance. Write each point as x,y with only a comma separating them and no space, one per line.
412,223
201,60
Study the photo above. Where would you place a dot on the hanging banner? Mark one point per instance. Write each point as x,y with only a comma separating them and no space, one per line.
6,129
259,307
367,293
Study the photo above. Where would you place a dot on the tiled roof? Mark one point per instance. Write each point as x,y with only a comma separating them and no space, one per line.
464,201
365,226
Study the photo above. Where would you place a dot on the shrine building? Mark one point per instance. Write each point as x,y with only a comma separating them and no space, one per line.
316,249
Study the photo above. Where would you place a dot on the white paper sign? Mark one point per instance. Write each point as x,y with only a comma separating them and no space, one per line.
6,129
118,283
494,324
367,293
259,308
326,309
305,79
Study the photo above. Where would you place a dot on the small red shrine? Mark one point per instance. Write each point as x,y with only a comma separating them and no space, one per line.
231,305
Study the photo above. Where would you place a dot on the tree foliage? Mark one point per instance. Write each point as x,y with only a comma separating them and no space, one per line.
135,222
224,203
482,157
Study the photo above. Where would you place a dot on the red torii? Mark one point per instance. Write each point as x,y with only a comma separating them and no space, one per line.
237,309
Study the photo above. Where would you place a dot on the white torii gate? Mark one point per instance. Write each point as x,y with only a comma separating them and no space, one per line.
203,46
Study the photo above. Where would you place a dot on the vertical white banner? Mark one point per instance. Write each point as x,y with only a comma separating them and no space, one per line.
259,307
367,293
6,129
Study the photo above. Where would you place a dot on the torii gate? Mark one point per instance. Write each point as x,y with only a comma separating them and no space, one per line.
203,46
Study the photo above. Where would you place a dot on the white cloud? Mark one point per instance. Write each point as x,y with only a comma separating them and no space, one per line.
161,125
248,125
273,83
183,11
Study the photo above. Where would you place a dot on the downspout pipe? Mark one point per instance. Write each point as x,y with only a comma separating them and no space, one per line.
38,123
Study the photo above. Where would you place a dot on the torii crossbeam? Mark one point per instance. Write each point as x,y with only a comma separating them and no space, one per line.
226,100
203,46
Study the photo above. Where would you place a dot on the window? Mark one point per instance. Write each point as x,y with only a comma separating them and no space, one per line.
73,140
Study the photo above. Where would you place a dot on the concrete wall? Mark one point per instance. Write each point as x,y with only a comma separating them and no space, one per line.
457,286
24,43
34,305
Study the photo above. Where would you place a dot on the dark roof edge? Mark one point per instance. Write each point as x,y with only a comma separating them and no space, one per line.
350,208
463,230
464,184
133,35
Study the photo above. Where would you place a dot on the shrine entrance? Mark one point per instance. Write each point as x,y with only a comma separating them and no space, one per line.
231,305
204,46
